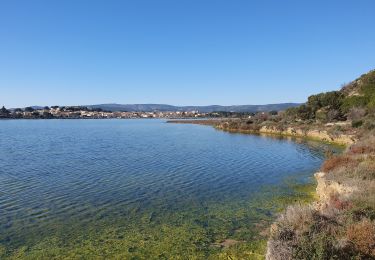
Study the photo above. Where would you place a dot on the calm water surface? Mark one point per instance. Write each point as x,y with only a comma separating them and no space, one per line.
66,178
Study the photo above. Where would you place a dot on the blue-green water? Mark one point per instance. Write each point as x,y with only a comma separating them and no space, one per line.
138,188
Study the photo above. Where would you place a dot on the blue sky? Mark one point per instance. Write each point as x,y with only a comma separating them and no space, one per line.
180,52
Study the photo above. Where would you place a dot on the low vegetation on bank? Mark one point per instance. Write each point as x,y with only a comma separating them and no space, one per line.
341,225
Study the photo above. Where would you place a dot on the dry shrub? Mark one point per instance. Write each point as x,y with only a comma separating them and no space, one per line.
339,161
339,203
361,149
324,224
366,170
362,235
290,225
365,197
356,113
297,219
279,250
365,146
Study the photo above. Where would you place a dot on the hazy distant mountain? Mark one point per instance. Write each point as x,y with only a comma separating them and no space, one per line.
206,109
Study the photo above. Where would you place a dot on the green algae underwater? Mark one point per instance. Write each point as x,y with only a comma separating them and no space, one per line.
183,234
147,190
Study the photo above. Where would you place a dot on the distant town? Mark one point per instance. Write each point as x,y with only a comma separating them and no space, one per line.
81,112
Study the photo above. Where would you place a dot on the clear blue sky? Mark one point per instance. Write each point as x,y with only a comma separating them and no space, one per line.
181,52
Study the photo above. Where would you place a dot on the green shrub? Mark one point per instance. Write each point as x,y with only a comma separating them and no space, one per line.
316,247
369,124
321,115
331,99
357,123
354,101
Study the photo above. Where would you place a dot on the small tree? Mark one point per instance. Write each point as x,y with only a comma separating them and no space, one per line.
4,111
273,113
29,109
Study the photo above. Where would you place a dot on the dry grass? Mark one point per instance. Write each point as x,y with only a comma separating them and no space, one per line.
366,170
364,146
339,203
361,149
345,228
296,219
339,161
362,235
365,197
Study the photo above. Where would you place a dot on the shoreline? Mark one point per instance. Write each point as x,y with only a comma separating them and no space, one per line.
94,118
334,197
343,140
345,197
319,186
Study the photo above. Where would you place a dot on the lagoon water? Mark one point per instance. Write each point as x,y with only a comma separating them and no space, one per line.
139,187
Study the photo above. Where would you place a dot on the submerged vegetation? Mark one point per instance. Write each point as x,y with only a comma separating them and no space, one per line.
234,230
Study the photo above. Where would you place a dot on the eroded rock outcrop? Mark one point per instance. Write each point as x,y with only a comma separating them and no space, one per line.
321,135
328,190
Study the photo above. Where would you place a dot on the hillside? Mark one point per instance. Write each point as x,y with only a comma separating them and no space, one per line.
203,109
353,102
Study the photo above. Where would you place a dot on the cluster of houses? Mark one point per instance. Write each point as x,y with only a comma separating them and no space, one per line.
84,112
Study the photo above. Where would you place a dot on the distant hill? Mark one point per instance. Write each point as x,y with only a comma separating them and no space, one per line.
205,109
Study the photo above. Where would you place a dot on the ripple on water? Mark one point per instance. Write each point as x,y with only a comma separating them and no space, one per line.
56,170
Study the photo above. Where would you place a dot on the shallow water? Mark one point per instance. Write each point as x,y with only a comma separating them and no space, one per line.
127,180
